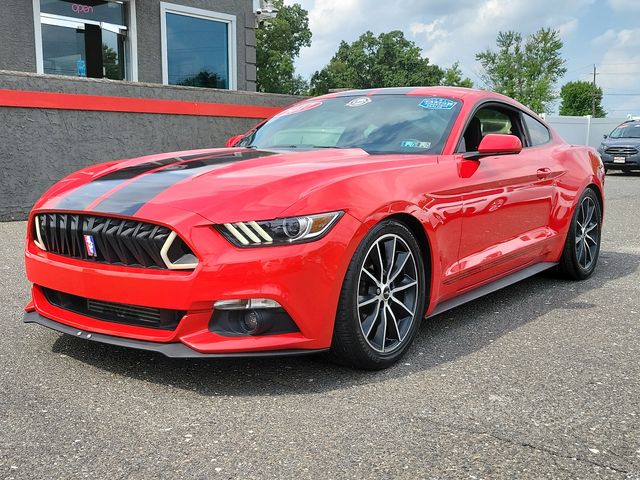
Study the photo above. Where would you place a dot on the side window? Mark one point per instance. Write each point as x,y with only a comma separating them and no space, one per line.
494,121
538,133
490,120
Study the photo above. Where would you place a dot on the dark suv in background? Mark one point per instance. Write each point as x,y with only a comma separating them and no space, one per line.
620,150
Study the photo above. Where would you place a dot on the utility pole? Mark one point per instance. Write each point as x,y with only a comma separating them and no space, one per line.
593,103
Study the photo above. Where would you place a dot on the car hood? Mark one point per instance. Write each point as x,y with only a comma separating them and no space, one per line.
621,142
221,185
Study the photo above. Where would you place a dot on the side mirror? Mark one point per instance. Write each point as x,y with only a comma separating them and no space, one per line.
605,136
233,140
499,144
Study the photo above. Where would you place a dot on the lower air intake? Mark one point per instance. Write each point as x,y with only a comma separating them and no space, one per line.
149,317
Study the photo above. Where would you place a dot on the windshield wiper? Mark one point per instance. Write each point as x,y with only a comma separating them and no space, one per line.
329,146
309,147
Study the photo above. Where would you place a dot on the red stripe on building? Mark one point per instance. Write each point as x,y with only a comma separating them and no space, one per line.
98,103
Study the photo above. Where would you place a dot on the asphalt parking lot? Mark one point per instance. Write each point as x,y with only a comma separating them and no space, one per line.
540,380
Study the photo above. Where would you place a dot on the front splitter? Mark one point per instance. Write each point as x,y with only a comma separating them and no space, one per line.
172,350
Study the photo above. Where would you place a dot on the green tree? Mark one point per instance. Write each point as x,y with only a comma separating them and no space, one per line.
577,99
525,69
388,60
278,43
112,68
203,79
453,77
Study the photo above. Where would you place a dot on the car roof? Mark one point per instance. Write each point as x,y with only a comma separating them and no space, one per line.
461,93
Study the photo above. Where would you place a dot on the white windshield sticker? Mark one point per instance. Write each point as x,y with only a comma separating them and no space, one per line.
359,102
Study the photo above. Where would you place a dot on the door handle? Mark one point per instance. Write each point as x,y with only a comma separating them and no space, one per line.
543,173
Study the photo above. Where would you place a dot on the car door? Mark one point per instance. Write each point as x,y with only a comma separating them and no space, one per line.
507,201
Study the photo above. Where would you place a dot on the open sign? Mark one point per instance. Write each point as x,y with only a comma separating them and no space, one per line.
79,8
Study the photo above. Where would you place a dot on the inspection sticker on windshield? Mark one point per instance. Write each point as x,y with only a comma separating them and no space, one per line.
303,107
415,144
359,102
435,103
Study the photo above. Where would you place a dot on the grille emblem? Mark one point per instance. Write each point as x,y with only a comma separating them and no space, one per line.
90,245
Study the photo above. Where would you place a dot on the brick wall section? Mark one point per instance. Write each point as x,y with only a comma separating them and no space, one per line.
40,146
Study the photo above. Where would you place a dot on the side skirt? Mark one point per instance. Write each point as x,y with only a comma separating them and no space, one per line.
492,287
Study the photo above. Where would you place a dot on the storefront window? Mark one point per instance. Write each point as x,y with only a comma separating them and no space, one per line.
198,47
85,40
99,11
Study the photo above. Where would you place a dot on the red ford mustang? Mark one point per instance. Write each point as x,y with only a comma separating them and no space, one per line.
338,224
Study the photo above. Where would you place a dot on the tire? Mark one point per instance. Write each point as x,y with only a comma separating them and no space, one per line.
379,313
582,247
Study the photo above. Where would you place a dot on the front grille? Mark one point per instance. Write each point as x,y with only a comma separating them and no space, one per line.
149,317
109,240
622,151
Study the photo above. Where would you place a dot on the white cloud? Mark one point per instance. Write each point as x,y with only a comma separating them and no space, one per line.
619,70
454,37
331,16
568,27
624,6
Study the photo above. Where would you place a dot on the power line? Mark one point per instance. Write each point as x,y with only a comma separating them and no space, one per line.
610,73
578,69
621,63
618,73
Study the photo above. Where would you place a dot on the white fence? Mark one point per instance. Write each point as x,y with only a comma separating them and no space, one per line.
583,130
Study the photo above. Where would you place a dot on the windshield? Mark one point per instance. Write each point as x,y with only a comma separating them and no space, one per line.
626,130
377,124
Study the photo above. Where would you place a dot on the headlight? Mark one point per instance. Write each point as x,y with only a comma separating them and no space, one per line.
281,231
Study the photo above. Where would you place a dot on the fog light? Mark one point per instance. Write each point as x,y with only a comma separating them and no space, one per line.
236,322
253,323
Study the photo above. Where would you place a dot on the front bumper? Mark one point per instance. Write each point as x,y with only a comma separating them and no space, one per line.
631,162
304,279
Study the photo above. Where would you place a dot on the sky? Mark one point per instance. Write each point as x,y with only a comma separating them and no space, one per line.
601,32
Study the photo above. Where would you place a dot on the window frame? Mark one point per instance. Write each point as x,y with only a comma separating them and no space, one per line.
131,50
230,20
528,132
492,103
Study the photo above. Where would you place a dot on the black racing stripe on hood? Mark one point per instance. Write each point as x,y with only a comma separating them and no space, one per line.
129,199
82,196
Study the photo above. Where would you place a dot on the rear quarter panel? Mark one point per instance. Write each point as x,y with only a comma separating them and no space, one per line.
581,167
